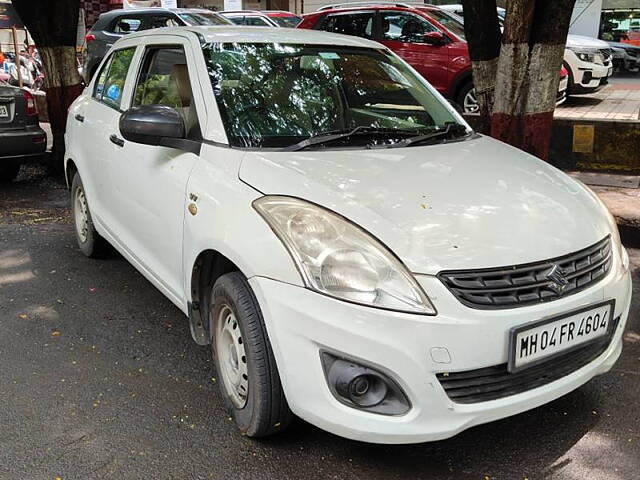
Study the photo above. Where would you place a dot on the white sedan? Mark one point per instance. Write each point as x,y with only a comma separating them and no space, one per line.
353,252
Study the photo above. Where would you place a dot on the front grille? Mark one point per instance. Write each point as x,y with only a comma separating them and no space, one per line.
521,285
491,383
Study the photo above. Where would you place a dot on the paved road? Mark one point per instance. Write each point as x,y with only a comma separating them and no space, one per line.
99,379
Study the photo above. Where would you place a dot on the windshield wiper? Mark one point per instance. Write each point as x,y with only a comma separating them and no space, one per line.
451,128
328,137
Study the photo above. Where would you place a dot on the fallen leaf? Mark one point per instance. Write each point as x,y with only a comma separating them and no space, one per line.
55,333
23,316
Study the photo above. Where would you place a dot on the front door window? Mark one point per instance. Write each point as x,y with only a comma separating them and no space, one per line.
164,80
404,27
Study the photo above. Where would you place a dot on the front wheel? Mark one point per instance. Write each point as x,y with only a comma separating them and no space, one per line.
247,371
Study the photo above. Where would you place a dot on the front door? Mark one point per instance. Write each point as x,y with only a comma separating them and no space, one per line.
149,182
403,33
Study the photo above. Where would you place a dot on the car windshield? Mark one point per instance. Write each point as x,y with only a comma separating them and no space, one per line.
290,21
276,95
450,21
203,18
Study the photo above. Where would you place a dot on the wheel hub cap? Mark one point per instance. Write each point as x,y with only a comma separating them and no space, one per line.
81,216
471,102
232,357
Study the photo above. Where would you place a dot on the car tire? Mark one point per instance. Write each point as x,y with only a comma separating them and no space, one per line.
89,240
461,100
243,359
9,171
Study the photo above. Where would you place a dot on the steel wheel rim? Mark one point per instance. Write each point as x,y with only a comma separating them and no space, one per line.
232,357
470,102
81,215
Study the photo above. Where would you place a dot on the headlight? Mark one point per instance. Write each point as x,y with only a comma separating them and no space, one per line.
584,55
337,258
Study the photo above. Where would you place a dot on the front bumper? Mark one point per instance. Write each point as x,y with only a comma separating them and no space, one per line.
301,324
22,144
590,77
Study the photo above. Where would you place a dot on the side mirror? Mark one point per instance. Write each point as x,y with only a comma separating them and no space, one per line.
152,125
157,125
434,38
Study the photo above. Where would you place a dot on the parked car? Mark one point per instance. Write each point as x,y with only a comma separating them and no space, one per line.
262,18
626,57
353,252
587,60
115,24
430,39
21,138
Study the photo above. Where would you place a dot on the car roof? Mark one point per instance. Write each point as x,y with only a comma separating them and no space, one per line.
239,34
241,12
150,11
373,5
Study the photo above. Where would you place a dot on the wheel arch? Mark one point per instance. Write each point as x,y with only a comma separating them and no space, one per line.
459,82
70,169
208,267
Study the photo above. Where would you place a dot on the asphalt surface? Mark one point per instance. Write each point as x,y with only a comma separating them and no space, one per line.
99,379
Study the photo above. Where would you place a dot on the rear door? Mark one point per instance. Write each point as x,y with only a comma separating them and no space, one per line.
403,33
93,121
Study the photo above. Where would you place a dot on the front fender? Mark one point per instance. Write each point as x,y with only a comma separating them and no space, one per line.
226,222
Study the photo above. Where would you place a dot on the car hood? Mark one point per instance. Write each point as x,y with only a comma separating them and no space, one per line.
586,42
472,204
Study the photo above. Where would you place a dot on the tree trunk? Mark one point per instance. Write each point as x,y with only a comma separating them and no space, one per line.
53,26
482,26
535,33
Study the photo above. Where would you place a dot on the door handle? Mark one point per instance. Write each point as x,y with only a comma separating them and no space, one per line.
117,140
79,117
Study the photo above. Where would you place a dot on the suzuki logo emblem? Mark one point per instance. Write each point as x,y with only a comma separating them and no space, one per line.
558,280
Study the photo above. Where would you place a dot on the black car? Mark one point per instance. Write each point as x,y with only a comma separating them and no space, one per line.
626,57
113,25
21,138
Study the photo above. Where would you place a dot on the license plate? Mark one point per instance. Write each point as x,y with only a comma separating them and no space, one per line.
610,72
3,111
533,344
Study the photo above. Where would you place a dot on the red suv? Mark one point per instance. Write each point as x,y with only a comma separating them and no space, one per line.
429,39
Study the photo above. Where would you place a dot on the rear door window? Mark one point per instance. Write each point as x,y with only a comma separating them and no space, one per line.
110,83
359,24
161,21
256,22
125,25
236,20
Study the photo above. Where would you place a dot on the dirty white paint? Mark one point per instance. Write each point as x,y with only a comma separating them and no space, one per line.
524,82
60,66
